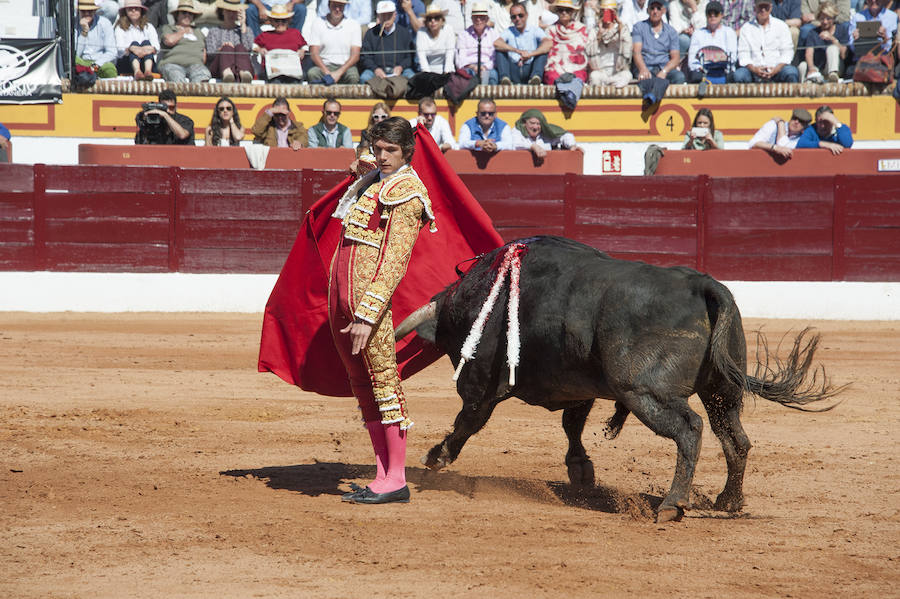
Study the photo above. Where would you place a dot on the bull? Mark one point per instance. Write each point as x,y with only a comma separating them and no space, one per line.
644,336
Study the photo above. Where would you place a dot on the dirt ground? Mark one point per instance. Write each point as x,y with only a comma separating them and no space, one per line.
143,456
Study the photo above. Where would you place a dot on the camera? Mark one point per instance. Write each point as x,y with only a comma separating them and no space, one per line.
700,131
152,119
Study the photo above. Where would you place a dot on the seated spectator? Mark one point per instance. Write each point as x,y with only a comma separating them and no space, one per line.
410,15
703,134
228,47
521,52
655,47
790,12
276,128
738,13
184,47
453,15
258,12
779,138
632,12
569,37
824,47
435,123
380,112
485,132
328,132
387,50
810,8
164,127
475,46
765,49
225,126
359,11
533,132
5,147
136,41
875,10
827,132
609,49
283,37
334,46
713,35
685,17
435,44
95,41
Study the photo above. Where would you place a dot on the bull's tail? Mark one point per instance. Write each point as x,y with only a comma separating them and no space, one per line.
789,382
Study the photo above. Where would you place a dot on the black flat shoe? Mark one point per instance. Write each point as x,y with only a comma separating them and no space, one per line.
367,495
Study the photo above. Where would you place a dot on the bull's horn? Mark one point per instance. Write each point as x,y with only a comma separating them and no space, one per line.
421,315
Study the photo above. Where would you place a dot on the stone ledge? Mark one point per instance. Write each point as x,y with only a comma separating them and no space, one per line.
508,92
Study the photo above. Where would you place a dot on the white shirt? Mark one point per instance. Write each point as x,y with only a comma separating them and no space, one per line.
765,46
767,134
440,131
335,41
521,142
436,54
133,35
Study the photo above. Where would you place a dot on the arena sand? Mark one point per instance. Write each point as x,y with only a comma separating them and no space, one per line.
143,456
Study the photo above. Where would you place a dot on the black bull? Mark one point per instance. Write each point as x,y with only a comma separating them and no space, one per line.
595,327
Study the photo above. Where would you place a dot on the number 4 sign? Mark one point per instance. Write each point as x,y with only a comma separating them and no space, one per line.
612,161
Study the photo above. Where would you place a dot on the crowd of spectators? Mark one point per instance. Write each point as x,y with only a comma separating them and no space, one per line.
496,41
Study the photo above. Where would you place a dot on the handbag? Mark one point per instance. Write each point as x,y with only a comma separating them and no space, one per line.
875,66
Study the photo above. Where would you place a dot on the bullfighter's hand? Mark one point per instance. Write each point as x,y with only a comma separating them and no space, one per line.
359,335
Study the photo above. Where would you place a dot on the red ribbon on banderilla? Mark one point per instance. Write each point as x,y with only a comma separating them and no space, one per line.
511,264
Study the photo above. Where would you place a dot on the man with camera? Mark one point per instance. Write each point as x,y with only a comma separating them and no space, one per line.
159,124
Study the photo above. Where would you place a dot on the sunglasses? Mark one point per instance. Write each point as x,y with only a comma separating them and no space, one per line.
379,117
427,114
225,109
486,113
713,13
433,19
656,7
333,112
564,10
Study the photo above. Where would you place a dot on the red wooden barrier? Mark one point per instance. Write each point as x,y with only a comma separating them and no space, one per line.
752,163
462,161
153,219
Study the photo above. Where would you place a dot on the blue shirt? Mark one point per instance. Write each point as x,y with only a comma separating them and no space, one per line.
99,46
403,19
655,48
888,18
527,40
810,137
4,132
786,9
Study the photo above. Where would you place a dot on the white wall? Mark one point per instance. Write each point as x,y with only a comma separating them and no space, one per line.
179,292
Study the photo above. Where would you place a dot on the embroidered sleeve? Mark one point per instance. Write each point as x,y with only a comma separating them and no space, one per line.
400,234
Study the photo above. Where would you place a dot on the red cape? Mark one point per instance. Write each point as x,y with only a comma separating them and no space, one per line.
296,339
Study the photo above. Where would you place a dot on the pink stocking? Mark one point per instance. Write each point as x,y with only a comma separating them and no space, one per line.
396,444
379,444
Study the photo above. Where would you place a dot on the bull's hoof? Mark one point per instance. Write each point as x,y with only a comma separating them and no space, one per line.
669,514
728,502
435,459
581,473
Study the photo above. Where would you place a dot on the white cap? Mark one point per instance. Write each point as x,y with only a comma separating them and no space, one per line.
385,6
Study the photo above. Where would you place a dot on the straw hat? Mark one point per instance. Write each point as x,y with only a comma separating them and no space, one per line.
435,11
185,6
234,5
479,8
563,4
132,4
87,5
281,11
608,5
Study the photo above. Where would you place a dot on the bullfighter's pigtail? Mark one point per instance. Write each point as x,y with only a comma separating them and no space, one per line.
512,264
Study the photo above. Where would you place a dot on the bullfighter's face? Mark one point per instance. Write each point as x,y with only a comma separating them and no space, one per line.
388,156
